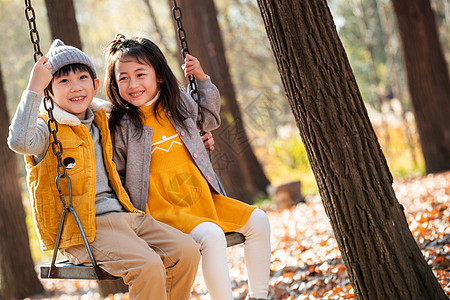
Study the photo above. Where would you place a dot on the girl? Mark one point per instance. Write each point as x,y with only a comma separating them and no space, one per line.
165,168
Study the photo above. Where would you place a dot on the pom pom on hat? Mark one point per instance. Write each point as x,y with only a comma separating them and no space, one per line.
60,55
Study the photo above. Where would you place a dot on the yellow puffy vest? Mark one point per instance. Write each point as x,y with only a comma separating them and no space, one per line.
46,205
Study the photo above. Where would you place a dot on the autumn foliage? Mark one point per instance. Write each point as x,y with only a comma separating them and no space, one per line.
306,261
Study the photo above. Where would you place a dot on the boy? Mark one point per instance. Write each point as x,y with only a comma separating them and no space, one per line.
154,259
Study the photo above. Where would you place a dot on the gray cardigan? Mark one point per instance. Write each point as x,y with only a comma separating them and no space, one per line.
132,153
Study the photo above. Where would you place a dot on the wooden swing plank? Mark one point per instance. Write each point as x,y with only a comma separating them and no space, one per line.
234,238
67,270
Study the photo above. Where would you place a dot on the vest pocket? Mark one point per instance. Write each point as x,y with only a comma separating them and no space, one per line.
49,208
73,157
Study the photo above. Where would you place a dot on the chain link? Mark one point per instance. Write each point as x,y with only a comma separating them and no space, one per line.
57,148
176,13
34,34
49,105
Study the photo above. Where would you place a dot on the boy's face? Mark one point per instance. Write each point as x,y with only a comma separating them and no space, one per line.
74,92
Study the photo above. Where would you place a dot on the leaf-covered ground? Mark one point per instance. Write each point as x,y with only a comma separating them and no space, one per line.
306,261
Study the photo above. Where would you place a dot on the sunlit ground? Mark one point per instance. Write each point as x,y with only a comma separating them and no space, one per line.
306,262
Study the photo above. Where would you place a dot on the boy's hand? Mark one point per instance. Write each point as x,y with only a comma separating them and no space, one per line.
208,141
192,66
40,76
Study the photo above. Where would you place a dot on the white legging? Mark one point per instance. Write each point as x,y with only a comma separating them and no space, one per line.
213,247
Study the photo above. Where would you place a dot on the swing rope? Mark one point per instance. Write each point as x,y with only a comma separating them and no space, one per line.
57,148
176,13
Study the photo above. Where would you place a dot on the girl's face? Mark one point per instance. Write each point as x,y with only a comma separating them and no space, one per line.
137,82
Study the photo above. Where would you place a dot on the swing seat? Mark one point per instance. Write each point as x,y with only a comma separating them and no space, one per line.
234,238
67,270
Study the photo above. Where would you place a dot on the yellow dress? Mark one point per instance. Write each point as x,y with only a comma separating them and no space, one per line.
178,194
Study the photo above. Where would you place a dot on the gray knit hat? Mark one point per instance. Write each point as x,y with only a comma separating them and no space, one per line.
60,55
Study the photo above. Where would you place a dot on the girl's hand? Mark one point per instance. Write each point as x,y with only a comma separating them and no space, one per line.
192,66
40,76
208,140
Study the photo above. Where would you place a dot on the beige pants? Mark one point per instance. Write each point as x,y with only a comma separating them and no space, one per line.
155,260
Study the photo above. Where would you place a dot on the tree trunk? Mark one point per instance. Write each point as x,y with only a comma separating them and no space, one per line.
428,80
63,23
394,75
199,19
18,278
382,259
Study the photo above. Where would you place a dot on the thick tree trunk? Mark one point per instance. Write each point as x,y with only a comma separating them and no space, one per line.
18,278
382,259
199,19
428,80
63,23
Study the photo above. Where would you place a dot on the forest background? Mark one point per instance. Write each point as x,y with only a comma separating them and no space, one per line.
267,117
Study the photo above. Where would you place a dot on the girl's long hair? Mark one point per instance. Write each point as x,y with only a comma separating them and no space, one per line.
145,52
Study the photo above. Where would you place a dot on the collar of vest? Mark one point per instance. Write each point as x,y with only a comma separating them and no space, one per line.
63,117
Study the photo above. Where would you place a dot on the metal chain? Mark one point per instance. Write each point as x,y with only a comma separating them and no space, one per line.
57,148
176,13
49,106
34,35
